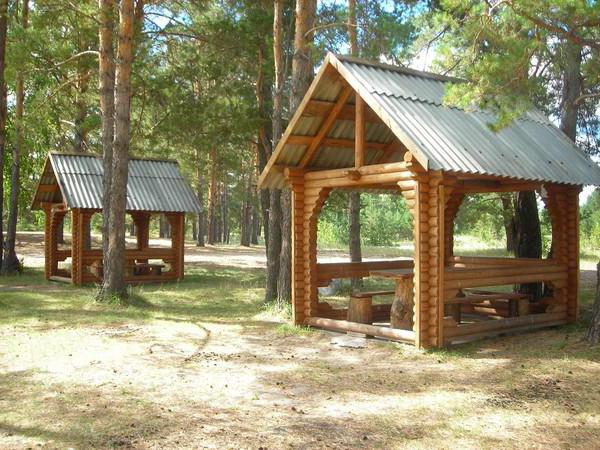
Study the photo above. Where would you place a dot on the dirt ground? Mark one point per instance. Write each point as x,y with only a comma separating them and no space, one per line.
201,365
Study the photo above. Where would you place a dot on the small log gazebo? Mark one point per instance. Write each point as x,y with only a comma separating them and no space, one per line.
72,183
369,126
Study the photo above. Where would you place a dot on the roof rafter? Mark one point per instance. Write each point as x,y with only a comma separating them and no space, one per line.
326,126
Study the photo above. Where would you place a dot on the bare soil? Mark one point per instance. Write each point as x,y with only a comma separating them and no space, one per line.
187,380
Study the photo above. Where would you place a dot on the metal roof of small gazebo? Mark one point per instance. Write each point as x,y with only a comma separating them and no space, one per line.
407,105
77,179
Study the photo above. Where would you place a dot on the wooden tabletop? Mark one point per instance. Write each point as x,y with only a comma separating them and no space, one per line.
392,273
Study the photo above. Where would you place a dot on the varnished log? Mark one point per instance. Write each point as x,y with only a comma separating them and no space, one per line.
405,336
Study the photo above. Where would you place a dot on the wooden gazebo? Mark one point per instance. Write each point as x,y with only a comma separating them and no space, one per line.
72,183
369,126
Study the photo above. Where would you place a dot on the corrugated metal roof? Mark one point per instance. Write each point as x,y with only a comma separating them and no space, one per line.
152,185
445,138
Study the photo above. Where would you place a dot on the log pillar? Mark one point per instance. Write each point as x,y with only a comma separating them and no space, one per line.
177,222
426,198
307,201
562,202
572,249
77,243
142,231
55,215
49,243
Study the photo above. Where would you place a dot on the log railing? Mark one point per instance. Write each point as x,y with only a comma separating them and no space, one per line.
488,272
483,261
329,271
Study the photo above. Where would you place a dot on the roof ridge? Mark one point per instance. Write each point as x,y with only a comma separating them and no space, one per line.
401,69
131,158
413,98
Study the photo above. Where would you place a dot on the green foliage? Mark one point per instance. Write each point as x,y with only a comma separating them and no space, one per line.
589,225
514,56
385,220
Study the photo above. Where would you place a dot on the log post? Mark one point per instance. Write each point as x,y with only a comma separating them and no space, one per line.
306,204
48,241
359,133
77,242
176,220
426,199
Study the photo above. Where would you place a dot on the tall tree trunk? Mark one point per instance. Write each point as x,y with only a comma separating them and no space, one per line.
354,197
200,193
212,200
114,284
246,214
302,75
273,225
10,262
571,90
225,212
508,217
3,113
107,111
528,237
255,228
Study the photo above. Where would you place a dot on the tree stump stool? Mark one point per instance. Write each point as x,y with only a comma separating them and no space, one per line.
360,310
401,313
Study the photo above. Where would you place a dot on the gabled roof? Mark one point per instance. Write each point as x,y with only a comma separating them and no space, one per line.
76,179
407,105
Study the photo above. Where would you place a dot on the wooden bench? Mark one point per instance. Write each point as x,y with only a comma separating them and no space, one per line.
360,309
147,269
517,304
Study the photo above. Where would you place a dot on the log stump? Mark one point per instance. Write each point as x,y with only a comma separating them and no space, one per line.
401,313
360,309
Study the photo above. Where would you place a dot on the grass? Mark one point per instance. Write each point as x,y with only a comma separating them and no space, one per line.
204,361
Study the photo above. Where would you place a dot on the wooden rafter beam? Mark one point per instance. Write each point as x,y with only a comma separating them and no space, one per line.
334,142
359,133
325,126
48,188
320,108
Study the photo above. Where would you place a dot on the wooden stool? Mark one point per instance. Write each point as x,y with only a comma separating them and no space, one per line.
360,308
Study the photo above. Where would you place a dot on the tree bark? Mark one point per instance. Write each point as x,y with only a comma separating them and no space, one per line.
113,283
107,111
302,75
273,224
225,213
255,228
352,27
200,193
212,200
571,89
246,214
354,197
528,237
508,216
10,262
3,114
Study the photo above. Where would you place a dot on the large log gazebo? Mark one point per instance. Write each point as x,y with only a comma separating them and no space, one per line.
72,184
368,126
